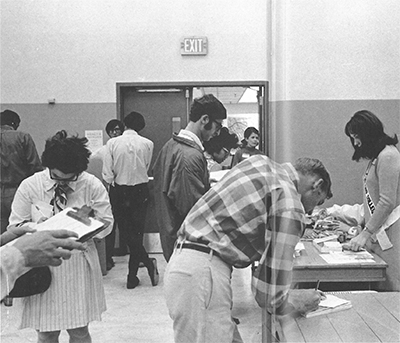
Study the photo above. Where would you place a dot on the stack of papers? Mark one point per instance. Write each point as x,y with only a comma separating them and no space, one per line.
329,305
348,257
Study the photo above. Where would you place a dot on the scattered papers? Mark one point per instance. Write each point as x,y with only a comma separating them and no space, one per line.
348,257
330,304
327,244
298,248
216,176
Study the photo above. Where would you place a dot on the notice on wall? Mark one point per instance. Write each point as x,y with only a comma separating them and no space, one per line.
95,138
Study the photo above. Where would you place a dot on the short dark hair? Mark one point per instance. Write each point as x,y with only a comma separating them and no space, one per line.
8,117
225,139
370,131
248,132
207,104
313,166
113,123
134,121
67,154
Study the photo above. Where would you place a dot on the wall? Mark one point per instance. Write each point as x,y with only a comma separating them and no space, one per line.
330,59
76,52
324,60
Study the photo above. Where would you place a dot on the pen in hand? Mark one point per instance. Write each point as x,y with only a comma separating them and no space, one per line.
322,295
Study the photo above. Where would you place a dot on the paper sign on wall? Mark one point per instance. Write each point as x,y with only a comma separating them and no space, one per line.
95,138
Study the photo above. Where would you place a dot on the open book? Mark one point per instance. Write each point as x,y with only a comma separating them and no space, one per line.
79,221
329,305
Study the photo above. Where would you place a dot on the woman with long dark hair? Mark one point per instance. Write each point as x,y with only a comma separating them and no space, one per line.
381,192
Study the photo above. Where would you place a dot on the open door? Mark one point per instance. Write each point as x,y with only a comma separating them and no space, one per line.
166,107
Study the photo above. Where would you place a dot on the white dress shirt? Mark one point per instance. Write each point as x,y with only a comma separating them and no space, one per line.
127,159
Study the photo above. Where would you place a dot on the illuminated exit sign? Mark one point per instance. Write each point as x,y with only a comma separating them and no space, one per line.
194,46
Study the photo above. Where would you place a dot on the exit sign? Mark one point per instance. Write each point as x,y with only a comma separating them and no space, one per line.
194,46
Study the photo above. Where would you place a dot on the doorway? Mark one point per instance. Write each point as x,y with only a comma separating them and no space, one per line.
166,106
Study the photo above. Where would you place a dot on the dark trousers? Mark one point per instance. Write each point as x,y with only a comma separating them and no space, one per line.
129,205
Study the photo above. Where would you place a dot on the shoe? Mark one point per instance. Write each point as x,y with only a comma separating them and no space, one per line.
132,282
153,272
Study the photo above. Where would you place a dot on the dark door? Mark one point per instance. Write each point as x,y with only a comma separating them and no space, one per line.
165,112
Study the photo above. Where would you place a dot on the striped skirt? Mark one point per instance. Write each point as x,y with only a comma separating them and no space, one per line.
74,298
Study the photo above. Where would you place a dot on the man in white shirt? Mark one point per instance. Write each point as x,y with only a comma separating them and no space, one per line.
126,162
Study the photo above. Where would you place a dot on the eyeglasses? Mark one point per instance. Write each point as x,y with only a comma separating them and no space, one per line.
57,178
219,126
116,129
226,151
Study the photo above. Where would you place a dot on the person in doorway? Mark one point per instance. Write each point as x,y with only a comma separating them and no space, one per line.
256,212
19,159
180,171
249,143
381,233
114,128
76,295
125,169
218,148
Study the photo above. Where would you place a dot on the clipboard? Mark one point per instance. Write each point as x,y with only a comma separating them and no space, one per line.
79,220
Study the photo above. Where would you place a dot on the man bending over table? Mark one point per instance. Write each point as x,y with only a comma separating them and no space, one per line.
255,213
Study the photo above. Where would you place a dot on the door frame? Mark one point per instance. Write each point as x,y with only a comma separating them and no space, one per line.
263,92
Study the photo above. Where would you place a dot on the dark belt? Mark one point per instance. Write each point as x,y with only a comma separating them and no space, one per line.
202,248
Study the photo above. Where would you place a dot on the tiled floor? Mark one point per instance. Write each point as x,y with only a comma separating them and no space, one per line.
140,315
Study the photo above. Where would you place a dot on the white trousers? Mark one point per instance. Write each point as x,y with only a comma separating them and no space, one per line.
198,292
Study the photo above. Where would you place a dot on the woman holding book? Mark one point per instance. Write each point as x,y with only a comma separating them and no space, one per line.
381,192
76,295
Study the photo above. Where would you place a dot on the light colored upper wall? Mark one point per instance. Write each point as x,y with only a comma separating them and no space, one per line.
76,50
335,49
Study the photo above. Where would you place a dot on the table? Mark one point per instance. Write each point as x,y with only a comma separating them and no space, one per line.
310,267
374,317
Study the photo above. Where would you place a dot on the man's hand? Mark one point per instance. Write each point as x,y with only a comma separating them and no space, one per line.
305,300
19,230
15,231
47,248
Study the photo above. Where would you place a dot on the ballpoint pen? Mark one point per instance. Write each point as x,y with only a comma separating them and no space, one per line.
317,286
40,211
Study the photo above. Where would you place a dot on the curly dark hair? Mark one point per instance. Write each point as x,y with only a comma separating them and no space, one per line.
369,130
225,139
67,154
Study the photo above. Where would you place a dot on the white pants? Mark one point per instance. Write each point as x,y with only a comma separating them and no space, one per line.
198,292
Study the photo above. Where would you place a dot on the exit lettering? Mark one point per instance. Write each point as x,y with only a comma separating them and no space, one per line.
194,46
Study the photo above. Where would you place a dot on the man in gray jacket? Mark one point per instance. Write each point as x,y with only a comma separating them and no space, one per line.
180,172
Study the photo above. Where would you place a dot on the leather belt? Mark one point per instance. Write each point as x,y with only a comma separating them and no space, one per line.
202,248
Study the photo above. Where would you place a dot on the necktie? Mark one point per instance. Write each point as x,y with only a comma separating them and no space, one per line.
59,200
